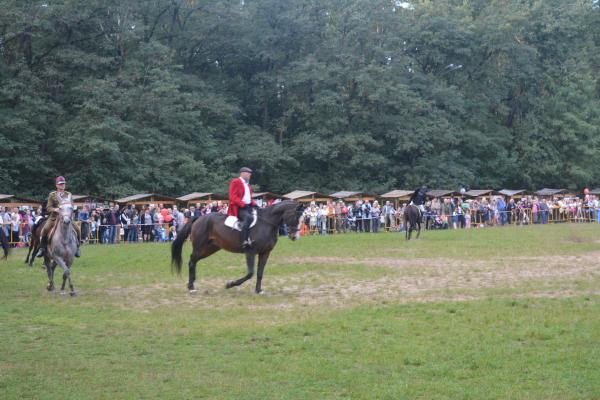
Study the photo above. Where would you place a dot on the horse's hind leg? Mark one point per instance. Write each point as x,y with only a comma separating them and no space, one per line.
50,271
418,229
250,256
194,258
192,274
34,250
262,261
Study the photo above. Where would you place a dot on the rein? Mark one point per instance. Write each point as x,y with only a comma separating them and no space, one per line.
262,218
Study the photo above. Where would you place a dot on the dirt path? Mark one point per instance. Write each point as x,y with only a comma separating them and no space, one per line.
405,280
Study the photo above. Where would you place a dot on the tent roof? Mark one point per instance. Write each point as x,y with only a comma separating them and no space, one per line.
268,195
299,194
479,192
396,194
511,192
200,195
550,192
77,197
344,194
11,198
142,196
441,193
595,191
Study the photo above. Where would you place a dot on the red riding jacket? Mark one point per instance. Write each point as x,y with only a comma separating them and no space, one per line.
236,194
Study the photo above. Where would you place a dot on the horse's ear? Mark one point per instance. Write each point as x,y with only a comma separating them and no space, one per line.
300,207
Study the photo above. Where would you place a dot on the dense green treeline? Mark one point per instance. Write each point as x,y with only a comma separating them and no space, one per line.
173,96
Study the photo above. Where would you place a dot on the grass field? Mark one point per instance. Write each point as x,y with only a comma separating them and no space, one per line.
474,314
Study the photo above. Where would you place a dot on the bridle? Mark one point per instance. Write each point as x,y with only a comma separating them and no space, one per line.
292,230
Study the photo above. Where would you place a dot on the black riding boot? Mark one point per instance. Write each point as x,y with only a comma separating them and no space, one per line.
245,215
43,245
246,242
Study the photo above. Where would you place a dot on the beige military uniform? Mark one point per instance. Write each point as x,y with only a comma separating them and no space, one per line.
55,199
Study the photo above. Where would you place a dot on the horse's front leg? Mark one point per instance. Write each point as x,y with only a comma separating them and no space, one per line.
250,256
262,261
28,254
418,229
66,275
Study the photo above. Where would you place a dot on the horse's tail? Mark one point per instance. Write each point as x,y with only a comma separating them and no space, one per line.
177,246
4,242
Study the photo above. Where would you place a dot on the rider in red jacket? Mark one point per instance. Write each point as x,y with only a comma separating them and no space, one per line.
241,203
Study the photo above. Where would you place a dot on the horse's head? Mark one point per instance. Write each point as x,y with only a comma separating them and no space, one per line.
66,212
292,217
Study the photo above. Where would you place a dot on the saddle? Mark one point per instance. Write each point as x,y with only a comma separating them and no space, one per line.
234,223
53,231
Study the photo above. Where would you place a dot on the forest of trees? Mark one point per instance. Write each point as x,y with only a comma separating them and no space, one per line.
173,96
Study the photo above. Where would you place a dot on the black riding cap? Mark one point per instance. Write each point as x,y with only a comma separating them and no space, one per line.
245,169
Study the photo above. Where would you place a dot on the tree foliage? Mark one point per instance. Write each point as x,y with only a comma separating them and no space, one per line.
174,96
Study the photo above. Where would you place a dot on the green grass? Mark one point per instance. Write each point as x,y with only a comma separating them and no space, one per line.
134,332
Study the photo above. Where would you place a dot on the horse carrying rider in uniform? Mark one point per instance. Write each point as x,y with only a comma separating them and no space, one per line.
418,198
55,199
241,203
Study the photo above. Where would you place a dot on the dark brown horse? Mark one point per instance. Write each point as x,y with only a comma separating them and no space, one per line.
34,242
209,234
4,244
412,220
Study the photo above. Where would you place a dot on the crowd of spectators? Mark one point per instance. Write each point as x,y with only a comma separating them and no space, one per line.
150,223
449,213
159,223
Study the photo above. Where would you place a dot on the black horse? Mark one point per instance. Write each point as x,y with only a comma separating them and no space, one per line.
4,244
412,220
34,242
209,235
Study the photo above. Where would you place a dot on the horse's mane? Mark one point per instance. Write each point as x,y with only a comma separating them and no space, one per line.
276,205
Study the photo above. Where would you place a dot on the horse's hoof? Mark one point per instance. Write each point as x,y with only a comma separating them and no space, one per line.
73,293
260,292
192,291
229,285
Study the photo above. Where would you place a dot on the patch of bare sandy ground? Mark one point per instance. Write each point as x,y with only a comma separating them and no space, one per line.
402,280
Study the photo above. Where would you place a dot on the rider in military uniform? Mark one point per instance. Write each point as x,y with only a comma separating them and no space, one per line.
55,199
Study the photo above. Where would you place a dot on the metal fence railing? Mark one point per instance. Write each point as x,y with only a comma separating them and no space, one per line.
94,233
